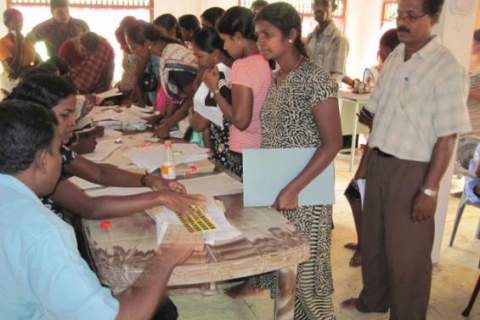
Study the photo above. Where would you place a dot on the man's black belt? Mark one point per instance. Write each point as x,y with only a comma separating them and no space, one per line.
383,154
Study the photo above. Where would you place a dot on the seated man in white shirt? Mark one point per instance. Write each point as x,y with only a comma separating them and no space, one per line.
41,272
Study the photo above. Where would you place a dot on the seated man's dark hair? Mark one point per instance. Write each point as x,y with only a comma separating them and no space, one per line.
42,88
25,129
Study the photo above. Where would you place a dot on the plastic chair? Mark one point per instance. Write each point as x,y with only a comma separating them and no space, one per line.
465,151
473,297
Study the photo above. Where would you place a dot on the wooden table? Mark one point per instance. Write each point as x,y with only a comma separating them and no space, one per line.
350,105
271,243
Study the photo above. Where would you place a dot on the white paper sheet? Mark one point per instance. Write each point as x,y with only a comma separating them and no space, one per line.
103,150
152,157
84,184
116,191
213,185
223,233
361,184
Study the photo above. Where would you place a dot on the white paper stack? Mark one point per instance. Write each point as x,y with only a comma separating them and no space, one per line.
151,158
103,149
213,185
223,232
115,118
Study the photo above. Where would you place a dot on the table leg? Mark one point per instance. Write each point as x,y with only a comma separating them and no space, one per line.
285,300
354,136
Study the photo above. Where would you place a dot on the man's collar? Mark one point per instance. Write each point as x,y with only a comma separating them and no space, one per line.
329,29
427,50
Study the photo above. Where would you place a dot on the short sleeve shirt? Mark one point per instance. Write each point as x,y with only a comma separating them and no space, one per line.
54,33
42,275
417,101
252,72
287,117
328,49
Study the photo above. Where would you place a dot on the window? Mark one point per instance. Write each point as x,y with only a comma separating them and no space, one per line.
91,11
304,7
389,12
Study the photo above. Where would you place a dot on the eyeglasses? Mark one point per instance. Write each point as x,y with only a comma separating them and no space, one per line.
408,16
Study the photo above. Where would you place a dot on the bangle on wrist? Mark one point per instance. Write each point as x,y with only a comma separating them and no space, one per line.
429,192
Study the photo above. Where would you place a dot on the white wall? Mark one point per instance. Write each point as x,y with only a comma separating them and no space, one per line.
363,32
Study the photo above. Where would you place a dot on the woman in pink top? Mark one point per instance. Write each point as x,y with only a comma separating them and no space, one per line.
250,79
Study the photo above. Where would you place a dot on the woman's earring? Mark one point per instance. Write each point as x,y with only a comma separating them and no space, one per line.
290,41
149,47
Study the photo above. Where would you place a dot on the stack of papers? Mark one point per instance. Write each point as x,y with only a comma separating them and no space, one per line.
152,157
103,149
114,118
222,232
109,94
213,185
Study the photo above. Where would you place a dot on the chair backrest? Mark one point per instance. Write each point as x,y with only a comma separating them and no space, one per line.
466,149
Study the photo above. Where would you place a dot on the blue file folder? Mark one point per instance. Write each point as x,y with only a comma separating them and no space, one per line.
267,171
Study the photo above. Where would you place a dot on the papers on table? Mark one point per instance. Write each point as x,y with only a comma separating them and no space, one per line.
223,232
213,185
151,158
116,191
103,149
114,118
267,171
108,94
84,184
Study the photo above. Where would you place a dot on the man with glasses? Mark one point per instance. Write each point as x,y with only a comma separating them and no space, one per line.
419,109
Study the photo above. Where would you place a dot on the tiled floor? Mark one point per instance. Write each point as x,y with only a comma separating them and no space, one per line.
453,280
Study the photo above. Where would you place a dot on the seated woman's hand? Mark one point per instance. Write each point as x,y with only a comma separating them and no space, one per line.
183,203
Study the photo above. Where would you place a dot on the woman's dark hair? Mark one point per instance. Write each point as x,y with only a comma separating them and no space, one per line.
209,40
44,89
62,66
126,22
143,31
189,22
169,23
284,17
212,15
90,40
238,19
433,7
258,4
25,129
390,39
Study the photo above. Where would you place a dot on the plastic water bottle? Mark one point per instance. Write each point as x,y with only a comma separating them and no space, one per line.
168,166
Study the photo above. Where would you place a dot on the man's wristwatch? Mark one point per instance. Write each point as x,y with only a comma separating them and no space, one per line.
429,192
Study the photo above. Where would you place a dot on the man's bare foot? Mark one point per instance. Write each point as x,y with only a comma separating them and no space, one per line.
354,304
241,290
356,260
351,246
350,304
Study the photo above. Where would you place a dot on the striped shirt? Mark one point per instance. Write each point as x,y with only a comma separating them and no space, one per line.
417,101
328,49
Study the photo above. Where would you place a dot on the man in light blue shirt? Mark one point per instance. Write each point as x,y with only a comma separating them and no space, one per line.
42,275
